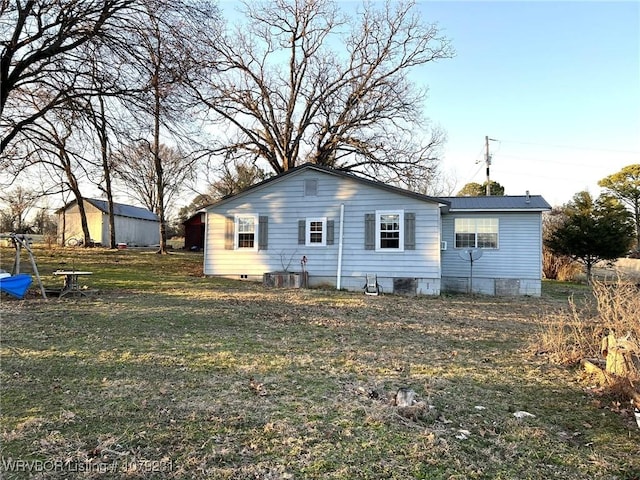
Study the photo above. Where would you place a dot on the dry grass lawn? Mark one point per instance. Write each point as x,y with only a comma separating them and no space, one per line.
161,373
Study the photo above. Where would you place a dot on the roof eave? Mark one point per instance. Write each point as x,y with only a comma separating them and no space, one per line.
537,209
330,171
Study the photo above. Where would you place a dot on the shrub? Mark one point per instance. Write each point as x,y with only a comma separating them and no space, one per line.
577,334
568,337
559,267
619,307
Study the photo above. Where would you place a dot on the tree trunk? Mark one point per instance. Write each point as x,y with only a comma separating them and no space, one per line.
621,355
101,127
622,369
83,219
64,227
636,217
158,164
112,217
588,267
75,188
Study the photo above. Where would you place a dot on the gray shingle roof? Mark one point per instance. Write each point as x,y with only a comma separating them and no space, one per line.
499,203
123,210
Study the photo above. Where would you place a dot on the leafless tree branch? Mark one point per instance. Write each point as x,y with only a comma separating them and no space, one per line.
299,81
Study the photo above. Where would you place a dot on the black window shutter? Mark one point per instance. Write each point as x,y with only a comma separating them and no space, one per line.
263,232
330,232
369,231
409,231
302,226
229,232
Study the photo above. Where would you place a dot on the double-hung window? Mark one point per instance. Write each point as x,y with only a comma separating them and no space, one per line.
316,232
246,229
476,232
246,232
389,230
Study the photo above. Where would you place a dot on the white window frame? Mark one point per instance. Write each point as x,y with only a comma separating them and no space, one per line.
477,226
379,215
308,232
237,232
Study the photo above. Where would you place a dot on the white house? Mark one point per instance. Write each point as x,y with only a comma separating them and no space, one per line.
339,228
134,226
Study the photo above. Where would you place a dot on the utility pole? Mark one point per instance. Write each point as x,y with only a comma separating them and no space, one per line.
487,158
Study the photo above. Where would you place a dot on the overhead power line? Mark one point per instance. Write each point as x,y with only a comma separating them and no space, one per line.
572,147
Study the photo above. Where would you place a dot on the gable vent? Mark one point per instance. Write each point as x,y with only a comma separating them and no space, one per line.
310,187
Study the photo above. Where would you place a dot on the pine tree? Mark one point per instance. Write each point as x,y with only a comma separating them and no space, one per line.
593,231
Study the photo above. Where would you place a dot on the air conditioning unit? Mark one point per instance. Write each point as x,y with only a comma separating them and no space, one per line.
443,245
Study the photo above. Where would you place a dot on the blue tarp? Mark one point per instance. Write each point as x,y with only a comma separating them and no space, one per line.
16,285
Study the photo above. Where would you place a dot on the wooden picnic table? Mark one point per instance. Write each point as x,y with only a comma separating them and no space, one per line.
71,282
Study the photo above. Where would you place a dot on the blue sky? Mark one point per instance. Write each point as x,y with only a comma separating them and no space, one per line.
557,84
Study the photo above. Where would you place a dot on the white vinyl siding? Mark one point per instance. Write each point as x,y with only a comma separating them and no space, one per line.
519,255
284,202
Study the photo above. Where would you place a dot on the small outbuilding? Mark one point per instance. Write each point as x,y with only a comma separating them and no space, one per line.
194,231
134,226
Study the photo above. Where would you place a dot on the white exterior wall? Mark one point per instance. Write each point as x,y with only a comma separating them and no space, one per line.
73,225
284,203
133,231
515,267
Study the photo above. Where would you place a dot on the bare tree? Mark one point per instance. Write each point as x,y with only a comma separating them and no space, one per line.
97,117
433,182
60,61
45,224
60,149
232,178
136,167
299,81
235,177
6,221
164,57
19,201
43,44
68,57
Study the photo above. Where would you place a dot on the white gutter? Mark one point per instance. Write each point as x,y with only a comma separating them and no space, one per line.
339,272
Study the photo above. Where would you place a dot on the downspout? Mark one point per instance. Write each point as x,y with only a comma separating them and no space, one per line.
205,250
339,272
